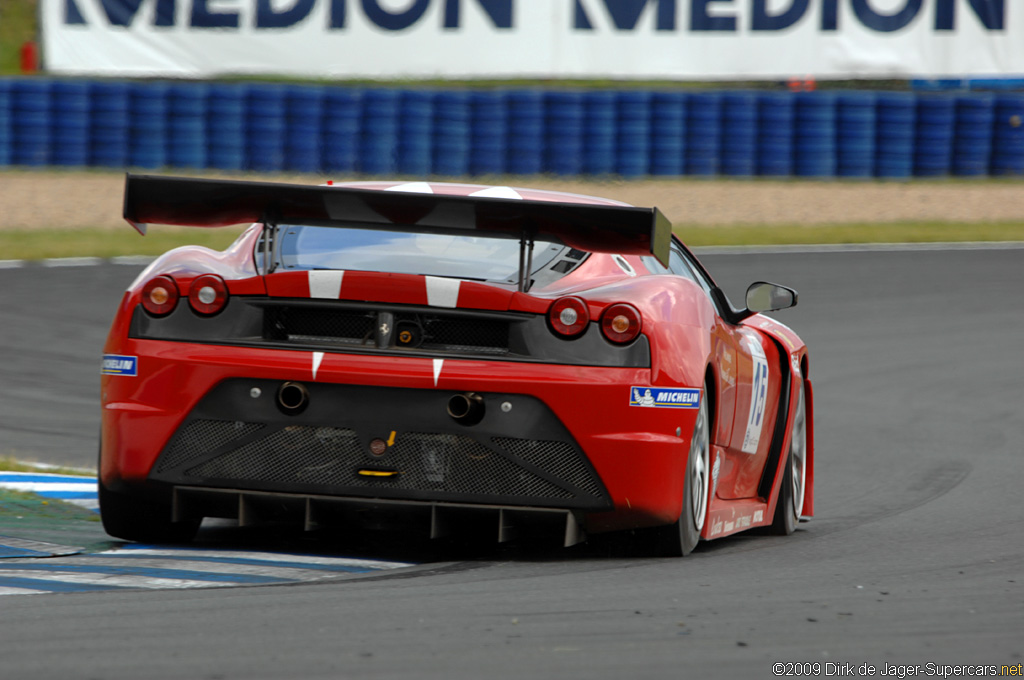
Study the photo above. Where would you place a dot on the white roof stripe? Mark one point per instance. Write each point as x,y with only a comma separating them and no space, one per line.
498,192
325,283
413,188
442,292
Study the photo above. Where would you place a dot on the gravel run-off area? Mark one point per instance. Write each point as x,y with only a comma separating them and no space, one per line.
93,199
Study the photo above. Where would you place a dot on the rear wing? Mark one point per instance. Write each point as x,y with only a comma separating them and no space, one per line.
218,202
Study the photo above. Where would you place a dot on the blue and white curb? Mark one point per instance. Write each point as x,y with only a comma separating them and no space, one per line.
145,567
80,491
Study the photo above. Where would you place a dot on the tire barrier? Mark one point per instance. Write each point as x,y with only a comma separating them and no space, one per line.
972,137
268,127
933,153
855,134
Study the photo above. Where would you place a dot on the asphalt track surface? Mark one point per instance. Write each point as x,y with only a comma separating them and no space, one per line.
916,555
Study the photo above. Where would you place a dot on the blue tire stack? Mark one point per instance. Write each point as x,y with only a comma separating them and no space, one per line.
739,134
525,132
31,122
668,134
304,110
416,133
225,125
186,125
703,133
599,133
855,134
343,114
1008,135
265,124
895,131
378,148
111,116
775,116
70,134
451,133
933,142
972,141
5,122
564,132
633,147
489,133
815,134
147,125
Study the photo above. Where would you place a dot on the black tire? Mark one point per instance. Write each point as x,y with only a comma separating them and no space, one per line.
134,519
679,539
791,495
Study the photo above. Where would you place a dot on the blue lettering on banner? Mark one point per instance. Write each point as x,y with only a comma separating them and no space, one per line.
704,15
664,398
761,20
626,13
117,364
268,17
123,12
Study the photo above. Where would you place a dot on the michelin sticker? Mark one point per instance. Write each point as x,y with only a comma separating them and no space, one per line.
117,364
664,398
758,397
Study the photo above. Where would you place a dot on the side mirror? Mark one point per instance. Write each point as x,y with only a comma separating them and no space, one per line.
769,297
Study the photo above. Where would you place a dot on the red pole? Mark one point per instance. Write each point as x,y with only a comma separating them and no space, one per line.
29,57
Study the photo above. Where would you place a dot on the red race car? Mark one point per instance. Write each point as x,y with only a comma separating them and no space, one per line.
445,356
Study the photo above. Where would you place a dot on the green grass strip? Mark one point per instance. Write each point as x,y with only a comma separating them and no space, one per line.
39,244
12,464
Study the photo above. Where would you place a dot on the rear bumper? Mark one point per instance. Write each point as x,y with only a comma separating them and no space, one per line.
552,436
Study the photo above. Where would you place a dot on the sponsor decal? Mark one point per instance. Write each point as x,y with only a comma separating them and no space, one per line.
664,397
118,364
715,470
758,516
730,526
758,397
743,522
716,528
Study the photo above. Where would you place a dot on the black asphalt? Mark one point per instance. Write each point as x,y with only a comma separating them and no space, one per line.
916,555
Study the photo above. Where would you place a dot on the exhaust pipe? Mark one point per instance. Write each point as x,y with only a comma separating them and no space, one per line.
466,408
292,398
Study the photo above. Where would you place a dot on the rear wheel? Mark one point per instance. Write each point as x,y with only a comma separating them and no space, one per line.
135,519
791,495
680,538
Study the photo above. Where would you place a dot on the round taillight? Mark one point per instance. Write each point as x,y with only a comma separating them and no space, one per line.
569,316
160,295
621,323
208,294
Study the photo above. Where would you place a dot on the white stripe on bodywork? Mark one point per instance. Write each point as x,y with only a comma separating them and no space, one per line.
497,192
317,358
758,396
442,292
325,283
438,363
413,188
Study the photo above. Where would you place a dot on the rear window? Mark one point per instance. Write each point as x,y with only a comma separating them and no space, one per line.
464,257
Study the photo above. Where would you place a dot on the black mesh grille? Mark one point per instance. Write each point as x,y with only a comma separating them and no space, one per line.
318,325
201,437
559,459
298,454
462,334
332,457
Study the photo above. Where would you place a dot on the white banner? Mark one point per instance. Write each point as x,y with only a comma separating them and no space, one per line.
499,39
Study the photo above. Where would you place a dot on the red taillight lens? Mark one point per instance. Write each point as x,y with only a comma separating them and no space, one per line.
621,323
569,316
208,294
160,295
